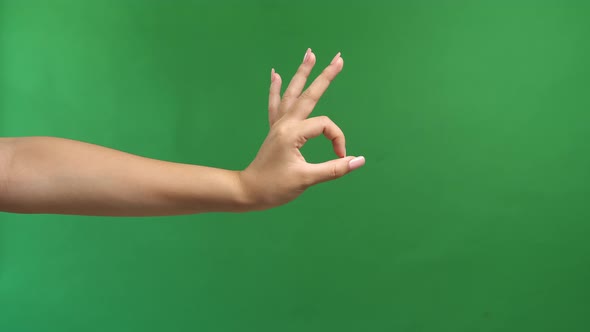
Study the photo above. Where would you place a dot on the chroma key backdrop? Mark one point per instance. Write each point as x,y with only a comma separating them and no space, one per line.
472,212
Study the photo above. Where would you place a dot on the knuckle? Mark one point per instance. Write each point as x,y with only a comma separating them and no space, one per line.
336,172
325,120
333,172
282,133
308,94
302,70
327,75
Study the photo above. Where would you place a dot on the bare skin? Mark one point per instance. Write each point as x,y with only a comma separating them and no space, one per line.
61,176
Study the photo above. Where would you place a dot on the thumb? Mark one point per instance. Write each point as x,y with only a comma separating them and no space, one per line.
334,169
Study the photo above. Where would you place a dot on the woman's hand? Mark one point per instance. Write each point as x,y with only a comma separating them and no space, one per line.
61,176
279,173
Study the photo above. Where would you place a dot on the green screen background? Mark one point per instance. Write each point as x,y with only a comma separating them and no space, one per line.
471,214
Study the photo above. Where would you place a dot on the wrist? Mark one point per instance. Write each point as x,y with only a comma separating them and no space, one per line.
249,198
243,201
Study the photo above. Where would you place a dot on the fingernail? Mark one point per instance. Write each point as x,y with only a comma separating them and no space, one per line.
356,163
306,54
272,75
335,58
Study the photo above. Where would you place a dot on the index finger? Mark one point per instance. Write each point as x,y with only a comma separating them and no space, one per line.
310,97
314,127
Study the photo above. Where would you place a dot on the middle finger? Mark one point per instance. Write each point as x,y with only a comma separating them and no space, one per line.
298,81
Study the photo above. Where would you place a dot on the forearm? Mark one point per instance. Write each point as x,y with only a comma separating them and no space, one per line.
53,175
